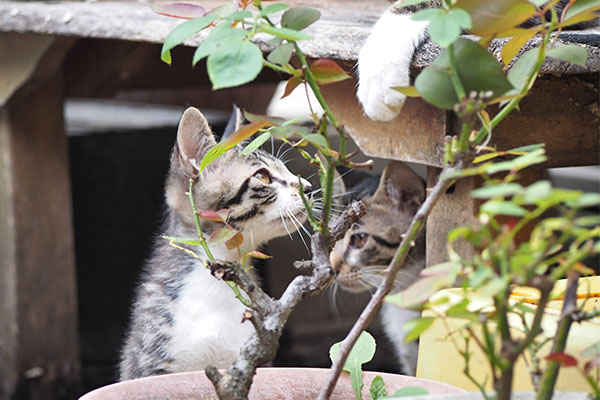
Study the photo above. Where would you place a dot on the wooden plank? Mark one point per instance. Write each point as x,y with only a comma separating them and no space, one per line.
416,135
562,112
39,354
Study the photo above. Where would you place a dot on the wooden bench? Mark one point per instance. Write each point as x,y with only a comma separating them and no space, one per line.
49,51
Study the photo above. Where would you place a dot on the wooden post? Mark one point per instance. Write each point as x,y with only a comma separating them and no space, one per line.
39,353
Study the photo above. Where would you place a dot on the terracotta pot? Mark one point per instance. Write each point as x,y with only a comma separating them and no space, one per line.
269,383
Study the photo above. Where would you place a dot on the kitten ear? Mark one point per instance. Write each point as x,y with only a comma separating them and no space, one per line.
400,186
194,140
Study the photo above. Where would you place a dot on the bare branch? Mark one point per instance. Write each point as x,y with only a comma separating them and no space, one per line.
273,314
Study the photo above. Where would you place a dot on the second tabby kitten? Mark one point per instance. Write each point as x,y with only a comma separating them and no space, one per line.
362,256
184,318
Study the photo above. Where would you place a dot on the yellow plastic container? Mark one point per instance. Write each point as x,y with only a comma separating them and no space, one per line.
439,359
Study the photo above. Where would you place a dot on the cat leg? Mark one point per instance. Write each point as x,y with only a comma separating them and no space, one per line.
384,62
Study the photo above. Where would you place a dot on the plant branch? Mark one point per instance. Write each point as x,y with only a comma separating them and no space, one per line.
560,339
272,314
310,79
374,304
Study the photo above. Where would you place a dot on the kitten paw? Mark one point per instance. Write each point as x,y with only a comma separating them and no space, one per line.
384,62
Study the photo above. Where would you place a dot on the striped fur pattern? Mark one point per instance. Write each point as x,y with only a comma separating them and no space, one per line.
184,318
361,257
384,60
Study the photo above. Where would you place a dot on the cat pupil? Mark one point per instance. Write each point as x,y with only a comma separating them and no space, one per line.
358,240
263,175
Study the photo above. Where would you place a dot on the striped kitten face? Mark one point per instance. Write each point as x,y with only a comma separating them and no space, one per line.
260,193
361,257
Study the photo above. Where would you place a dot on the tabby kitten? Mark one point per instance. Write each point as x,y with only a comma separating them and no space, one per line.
184,318
384,60
361,257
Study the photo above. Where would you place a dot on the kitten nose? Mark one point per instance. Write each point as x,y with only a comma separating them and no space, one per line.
307,188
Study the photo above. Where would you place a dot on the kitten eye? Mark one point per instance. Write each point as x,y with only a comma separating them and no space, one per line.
358,240
263,175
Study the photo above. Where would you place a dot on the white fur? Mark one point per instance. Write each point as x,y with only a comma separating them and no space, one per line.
384,62
208,328
393,319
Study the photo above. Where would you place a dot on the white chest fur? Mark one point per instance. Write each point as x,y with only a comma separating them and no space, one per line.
208,328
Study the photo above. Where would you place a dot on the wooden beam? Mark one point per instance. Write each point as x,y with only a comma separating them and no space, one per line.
39,353
562,112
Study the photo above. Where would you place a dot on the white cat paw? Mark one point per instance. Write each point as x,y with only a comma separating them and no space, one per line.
384,63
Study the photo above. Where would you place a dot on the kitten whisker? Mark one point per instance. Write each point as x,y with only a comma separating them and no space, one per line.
285,226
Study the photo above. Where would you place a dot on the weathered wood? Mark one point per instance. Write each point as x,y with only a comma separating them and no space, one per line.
560,111
416,135
339,34
39,355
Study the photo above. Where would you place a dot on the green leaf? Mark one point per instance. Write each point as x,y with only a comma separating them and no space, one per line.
191,242
316,139
435,86
408,91
522,68
444,26
224,10
442,29
493,287
298,18
377,388
500,190
181,33
420,291
495,207
537,191
492,17
404,3
256,143
362,352
581,7
239,15
286,131
592,351
479,276
221,35
586,200
272,9
327,71
477,69
592,220
416,327
459,310
526,149
408,391
570,53
234,64
232,140
282,54
284,33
